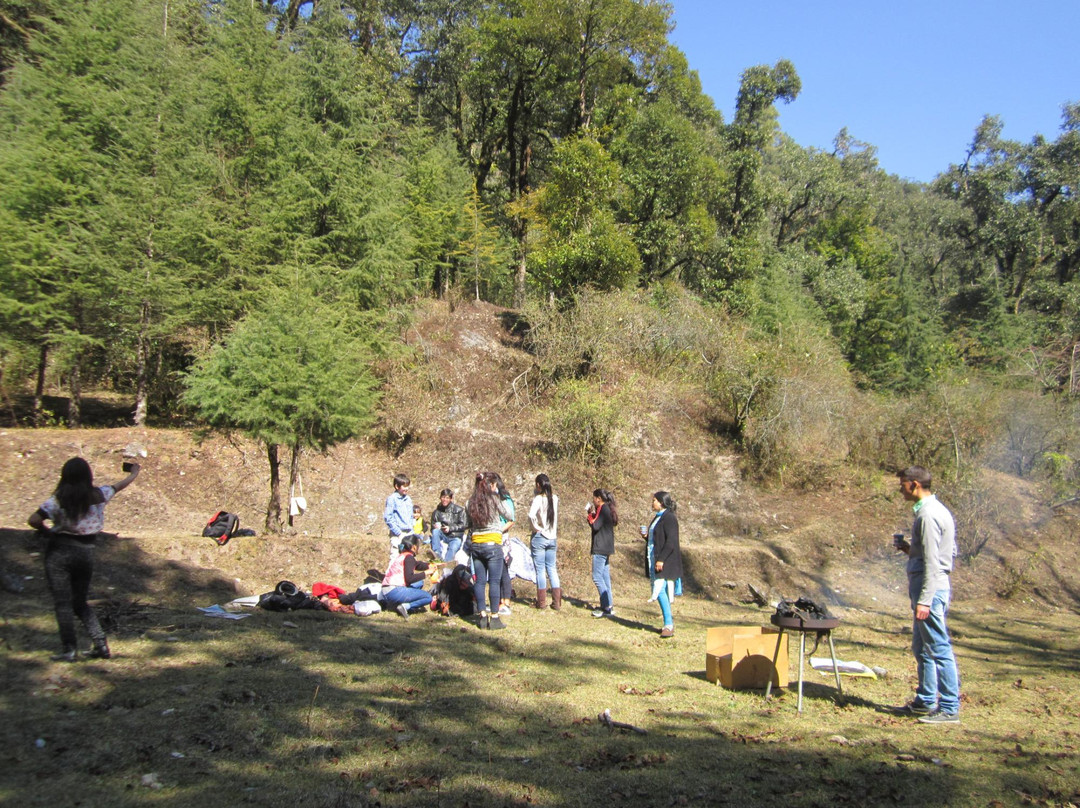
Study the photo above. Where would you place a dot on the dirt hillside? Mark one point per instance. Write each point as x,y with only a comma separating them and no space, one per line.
472,408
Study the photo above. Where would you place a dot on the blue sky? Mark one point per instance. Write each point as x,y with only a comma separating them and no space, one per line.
912,78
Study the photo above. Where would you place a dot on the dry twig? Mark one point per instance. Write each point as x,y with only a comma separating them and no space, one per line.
606,719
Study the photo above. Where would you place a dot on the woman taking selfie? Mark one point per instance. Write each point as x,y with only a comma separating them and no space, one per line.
77,512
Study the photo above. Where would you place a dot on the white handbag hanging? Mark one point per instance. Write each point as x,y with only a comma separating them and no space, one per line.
297,504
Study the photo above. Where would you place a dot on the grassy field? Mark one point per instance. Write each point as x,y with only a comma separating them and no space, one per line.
328,710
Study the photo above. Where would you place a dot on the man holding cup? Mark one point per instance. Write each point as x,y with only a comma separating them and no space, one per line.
930,562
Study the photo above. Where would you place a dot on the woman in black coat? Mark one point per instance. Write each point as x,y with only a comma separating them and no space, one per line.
665,558
602,518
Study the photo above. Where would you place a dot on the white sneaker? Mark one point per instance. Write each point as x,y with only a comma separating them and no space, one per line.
403,609
504,609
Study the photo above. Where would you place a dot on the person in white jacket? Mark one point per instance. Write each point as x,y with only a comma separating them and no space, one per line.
544,516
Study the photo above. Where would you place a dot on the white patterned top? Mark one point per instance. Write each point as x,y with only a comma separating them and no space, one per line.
93,521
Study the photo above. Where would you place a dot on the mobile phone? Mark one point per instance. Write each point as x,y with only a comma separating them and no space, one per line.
127,465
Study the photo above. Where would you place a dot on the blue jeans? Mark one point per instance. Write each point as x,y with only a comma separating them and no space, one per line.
488,566
601,575
407,594
453,544
939,679
543,553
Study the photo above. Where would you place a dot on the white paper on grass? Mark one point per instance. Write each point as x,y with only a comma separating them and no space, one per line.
825,666
219,611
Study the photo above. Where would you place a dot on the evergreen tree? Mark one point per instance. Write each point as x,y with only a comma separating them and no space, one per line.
293,373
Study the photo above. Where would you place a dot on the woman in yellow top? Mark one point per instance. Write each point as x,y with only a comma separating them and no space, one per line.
487,518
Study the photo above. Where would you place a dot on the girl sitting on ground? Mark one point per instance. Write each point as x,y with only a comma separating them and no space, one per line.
404,579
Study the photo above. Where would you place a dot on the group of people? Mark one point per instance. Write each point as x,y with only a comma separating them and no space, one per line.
474,535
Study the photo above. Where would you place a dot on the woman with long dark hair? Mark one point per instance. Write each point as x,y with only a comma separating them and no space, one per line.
603,518
665,557
544,516
77,512
487,518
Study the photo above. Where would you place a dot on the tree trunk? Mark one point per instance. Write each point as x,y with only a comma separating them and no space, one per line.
142,362
39,386
294,471
519,277
273,507
74,416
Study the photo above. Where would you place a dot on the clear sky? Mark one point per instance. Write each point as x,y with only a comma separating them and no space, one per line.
913,78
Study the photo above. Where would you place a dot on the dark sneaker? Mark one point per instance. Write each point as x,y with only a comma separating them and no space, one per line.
403,609
65,656
482,622
939,717
496,623
912,708
99,651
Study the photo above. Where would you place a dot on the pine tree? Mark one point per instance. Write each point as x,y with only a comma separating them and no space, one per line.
293,373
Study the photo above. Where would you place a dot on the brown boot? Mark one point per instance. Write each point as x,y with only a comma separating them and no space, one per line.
556,599
541,598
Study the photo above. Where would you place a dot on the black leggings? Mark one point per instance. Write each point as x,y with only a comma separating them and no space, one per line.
69,566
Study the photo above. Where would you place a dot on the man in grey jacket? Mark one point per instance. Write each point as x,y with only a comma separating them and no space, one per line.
930,562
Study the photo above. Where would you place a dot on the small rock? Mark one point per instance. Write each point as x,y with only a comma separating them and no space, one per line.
150,780
879,671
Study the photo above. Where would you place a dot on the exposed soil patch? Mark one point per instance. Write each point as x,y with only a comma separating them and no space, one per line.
477,411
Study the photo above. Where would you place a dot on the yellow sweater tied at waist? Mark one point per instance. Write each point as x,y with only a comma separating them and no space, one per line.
493,537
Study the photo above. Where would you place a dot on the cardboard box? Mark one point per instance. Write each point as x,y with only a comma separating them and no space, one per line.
741,657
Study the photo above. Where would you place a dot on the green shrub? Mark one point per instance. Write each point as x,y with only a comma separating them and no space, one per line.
949,429
585,423
785,401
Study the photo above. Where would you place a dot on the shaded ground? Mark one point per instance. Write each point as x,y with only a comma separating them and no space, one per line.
338,711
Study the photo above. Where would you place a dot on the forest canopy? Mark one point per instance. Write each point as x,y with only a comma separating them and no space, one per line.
171,166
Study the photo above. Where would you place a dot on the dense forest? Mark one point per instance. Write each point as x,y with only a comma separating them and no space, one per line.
197,191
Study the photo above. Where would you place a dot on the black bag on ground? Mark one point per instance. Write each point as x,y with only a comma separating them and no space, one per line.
288,597
222,527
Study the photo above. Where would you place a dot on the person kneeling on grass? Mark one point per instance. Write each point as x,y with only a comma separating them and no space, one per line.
403,581
454,594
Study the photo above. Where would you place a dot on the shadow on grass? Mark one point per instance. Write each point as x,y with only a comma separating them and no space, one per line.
330,710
